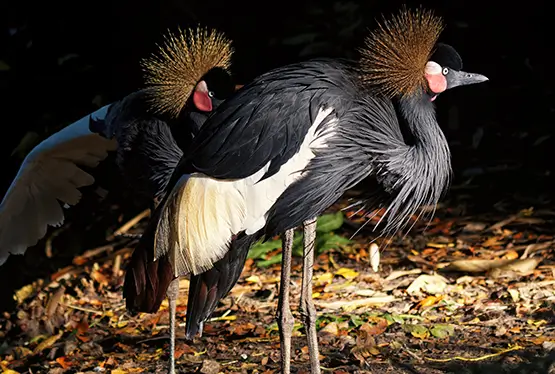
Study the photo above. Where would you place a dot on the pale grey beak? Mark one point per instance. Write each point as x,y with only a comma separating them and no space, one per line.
462,78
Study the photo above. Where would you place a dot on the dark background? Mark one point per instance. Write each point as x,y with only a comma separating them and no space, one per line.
62,60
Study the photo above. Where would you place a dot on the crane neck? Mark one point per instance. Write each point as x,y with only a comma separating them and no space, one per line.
419,113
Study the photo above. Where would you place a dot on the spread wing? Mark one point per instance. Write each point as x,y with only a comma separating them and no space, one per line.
50,175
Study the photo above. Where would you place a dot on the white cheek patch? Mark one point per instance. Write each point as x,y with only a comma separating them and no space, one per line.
432,68
201,87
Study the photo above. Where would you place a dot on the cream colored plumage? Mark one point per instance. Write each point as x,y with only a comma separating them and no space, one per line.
202,214
49,175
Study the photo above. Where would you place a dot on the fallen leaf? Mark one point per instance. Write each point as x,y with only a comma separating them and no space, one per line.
492,241
322,279
429,301
23,293
353,304
210,367
511,255
401,273
241,329
442,331
522,266
438,245
378,326
331,328
253,279
347,273
500,331
431,284
515,295
5,370
365,345
476,265
418,331
47,343
100,278
62,361
474,227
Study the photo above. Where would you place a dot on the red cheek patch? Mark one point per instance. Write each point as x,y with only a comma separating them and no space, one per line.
437,83
202,101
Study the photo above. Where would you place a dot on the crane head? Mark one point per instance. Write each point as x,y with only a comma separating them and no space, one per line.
177,71
402,57
214,87
444,71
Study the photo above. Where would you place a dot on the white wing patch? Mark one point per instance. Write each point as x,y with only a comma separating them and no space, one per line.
202,214
199,220
262,195
49,175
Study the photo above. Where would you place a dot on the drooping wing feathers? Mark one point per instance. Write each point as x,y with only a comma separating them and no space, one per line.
147,153
50,174
208,288
370,125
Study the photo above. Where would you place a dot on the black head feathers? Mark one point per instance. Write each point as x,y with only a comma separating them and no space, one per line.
447,56
220,82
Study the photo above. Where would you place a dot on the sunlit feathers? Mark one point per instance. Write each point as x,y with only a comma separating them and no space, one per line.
394,56
184,58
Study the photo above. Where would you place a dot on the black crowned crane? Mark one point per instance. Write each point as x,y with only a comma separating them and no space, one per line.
290,143
192,62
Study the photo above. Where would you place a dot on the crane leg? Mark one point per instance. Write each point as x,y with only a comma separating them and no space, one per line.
172,293
285,317
308,311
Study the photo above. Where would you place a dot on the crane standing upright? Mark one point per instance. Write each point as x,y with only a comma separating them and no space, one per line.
290,143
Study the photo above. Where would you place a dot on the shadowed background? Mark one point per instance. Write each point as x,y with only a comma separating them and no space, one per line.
61,60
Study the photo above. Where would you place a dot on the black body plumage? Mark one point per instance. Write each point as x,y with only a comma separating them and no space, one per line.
150,146
267,121
147,152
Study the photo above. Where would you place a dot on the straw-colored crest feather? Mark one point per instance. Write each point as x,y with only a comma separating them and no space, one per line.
394,56
183,59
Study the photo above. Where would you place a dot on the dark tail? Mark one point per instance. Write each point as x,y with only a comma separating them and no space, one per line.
146,281
208,288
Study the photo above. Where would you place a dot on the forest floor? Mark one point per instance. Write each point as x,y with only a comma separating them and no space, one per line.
462,294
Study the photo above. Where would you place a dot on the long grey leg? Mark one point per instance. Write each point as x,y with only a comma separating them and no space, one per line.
285,317
172,293
308,311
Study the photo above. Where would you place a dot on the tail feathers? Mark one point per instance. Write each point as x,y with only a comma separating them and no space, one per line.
146,280
198,219
208,288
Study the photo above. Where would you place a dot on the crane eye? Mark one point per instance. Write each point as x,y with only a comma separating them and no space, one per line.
445,71
211,93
